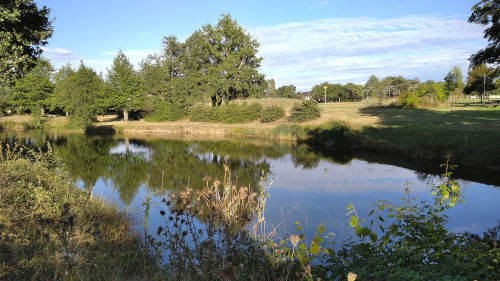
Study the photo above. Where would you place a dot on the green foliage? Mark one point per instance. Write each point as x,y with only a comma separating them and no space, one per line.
487,13
408,100
272,113
414,243
287,91
165,111
334,92
480,79
289,130
33,91
454,81
123,90
230,113
307,110
85,88
63,90
24,28
334,132
217,63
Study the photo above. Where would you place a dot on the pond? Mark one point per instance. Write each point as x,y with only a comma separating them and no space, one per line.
306,184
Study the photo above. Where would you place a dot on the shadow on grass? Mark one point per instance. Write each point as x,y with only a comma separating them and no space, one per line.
472,137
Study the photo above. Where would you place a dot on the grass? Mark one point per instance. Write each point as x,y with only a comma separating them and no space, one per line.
468,130
52,230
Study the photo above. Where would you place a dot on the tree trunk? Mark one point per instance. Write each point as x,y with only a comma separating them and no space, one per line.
125,115
67,113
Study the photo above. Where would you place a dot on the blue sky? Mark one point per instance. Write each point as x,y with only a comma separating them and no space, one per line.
303,42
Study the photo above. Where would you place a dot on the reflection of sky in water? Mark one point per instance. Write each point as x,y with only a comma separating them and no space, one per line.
320,195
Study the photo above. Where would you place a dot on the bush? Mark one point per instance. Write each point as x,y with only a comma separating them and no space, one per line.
272,113
408,100
307,110
231,113
166,111
333,132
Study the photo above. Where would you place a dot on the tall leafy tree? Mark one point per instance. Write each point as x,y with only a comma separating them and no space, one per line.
487,13
374,82
86,96
123,91
64,87
24,28
33,91
226,62
271,88
479,80
287,91
454,80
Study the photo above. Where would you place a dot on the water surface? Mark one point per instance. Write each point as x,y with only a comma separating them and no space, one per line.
307,184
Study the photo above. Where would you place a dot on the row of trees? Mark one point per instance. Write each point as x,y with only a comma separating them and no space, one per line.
216,64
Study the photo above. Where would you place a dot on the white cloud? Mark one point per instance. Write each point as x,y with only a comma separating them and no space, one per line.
59,52
351,49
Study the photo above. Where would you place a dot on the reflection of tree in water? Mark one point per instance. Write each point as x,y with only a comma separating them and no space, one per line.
178,164
169,164
85,158
128,172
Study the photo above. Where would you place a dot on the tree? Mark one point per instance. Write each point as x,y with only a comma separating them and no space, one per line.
86,89
23,29
487,12
123,86
333,92
224,61
287,91
271,88
454,80
374,82
353,92
32,92
480,79
63,89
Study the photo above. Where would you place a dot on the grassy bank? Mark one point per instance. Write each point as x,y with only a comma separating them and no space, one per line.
469,131
52,230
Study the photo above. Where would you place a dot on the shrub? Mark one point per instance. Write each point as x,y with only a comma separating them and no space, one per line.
203,113
231,113
272,113
408,100
166,111
333,132
307,110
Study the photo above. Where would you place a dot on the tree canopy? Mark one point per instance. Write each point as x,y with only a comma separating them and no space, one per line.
480,79
33,91
123,87
216,63
454,80
24,29
487,13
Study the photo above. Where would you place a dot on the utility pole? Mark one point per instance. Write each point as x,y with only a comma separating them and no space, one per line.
324,87
484,89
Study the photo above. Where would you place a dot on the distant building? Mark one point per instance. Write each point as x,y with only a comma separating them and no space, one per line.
306,95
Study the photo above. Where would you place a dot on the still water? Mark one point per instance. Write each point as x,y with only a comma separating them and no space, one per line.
307,184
